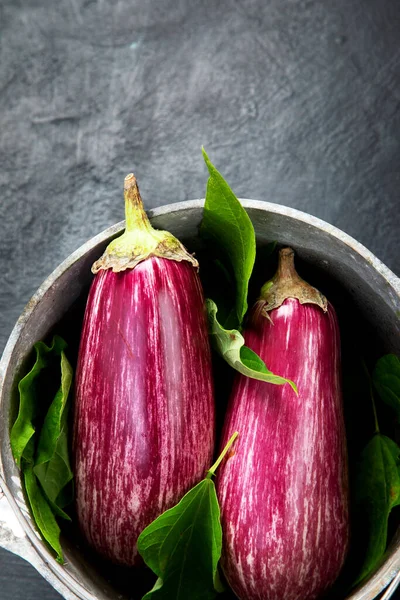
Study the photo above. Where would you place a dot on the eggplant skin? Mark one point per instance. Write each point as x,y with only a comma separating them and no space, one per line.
284,493
144,409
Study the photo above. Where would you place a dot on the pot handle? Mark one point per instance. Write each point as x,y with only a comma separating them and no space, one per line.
12,536
14,539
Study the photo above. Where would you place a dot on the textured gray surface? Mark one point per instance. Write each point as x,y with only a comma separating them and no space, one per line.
296,101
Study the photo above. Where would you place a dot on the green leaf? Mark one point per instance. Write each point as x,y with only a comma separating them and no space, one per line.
39,439
24,428
378,491
230,345
52,466
227,227
42,513
386,379
183,545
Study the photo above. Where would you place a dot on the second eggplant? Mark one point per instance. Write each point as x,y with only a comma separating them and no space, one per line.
284,493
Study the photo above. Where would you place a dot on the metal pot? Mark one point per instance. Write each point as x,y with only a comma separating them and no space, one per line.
375,290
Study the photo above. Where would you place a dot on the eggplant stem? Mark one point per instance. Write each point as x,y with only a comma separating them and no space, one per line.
139,240
287,283
135,215
221,457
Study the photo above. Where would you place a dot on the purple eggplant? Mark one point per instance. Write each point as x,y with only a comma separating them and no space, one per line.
144,407
284,493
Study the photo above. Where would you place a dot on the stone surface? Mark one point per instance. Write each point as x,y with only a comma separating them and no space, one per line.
296,101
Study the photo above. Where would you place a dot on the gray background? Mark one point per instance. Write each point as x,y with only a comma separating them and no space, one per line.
296,101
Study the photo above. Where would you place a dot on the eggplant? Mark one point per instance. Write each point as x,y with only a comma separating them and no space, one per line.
284,493
143,431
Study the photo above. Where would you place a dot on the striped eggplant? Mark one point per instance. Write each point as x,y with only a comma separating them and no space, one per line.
144,407
284,493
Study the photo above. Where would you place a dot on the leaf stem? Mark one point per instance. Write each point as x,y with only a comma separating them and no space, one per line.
371,392
221,457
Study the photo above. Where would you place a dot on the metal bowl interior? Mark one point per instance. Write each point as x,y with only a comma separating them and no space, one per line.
373,289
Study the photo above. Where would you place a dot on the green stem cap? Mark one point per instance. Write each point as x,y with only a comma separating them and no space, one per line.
286,283
139,240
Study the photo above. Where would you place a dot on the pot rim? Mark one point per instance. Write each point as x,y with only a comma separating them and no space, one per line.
389,569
